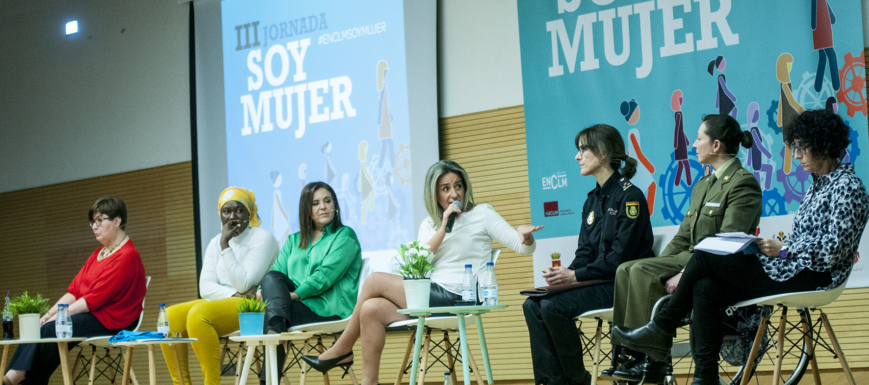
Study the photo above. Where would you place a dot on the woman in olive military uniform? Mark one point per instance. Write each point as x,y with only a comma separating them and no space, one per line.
615,229
728,200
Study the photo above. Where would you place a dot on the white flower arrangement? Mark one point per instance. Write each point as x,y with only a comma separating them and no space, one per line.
414,260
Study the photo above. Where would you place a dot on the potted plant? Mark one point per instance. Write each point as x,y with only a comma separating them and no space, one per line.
414,264
29,310
251,313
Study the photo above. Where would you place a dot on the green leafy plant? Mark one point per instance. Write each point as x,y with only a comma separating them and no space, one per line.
25,304
252,305
414,261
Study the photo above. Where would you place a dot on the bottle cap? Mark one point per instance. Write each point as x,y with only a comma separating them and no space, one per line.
162,305
468,266
490,263
447,373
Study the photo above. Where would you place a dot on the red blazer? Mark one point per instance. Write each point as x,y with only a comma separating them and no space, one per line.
113,288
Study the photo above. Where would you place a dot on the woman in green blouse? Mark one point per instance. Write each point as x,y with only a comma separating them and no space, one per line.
316,275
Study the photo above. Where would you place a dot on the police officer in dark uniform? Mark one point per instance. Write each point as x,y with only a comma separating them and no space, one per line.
615,229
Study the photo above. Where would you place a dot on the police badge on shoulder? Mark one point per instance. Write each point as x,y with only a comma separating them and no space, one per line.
632,209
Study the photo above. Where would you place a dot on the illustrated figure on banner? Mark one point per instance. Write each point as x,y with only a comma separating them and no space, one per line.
348,213
384,117
788,108
631,111
303,174
725,101
758,150
822,39
330,171
366,183
680,140
280,219
643,178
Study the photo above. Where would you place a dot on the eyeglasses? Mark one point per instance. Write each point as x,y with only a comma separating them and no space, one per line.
583,148
98,222
798,149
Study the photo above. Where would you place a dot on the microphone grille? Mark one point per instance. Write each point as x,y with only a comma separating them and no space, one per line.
457,203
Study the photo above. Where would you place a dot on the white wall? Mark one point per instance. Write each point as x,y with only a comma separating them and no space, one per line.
478,56
110,99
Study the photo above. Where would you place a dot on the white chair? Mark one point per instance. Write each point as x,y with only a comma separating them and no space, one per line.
592,346
113,364
658,244
328,328
445,324
806,301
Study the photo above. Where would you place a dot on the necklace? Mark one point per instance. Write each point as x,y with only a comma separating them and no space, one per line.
105,253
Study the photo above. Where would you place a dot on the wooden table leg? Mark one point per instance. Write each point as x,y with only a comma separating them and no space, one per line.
420,377
5,356
417,345
94,358
128,362
463,335
403,361
64,362
180,374
152,366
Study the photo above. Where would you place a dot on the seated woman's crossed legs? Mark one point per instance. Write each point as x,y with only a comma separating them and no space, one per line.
381,296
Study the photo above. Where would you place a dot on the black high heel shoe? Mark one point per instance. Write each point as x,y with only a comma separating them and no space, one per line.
324,366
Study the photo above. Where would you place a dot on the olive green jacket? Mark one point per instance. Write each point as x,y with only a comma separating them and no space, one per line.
732,203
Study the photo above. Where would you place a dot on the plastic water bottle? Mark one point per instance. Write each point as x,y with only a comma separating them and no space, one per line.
163,321
7,320
62,322
469,285
489,285
448,380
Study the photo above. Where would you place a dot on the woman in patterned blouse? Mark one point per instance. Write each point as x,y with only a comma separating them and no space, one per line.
818,255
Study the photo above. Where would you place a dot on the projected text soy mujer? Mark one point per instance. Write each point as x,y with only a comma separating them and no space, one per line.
266,108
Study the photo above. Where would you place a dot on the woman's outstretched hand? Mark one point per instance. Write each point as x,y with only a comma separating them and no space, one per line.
526,233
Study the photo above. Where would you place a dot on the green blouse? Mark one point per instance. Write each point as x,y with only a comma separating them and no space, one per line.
326,274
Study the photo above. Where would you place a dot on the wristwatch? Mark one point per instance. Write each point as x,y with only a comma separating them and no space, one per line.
783,253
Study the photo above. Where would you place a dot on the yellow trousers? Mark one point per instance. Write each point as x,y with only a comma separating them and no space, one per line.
206,321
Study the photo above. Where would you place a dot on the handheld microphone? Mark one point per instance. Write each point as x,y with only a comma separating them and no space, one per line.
452,218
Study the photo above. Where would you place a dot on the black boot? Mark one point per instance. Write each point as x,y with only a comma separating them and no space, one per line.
617,359
648,339
632,370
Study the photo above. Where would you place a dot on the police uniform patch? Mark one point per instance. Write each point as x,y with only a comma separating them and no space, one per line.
590,218
632,209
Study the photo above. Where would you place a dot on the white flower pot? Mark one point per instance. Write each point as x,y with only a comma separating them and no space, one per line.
28,326
417,292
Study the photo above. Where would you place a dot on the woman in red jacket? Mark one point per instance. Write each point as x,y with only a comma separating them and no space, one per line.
105,297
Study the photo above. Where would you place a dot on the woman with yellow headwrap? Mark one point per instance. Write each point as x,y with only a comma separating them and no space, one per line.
233,265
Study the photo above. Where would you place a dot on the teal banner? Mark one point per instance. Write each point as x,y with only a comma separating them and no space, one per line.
652,69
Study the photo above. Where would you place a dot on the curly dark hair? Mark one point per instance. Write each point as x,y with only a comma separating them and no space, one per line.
821,132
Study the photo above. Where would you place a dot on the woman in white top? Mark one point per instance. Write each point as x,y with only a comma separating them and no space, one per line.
470,242
232,267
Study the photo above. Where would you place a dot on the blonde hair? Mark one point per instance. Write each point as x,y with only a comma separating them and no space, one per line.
441,168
